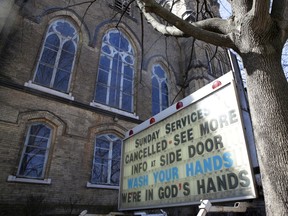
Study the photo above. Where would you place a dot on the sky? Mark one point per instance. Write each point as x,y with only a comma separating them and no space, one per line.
225,9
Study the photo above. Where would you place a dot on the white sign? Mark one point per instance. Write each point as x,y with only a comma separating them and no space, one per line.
198,152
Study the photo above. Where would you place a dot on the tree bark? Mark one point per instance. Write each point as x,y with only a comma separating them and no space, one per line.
268,100
259,38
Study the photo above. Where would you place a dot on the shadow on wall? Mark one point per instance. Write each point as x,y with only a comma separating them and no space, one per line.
35,205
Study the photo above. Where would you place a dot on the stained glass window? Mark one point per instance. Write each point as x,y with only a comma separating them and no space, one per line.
106,162
115,78
159,89
35,151
57,58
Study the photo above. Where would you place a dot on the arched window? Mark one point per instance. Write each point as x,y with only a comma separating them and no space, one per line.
106,162
217,66
209,58
57,57
159,89
35,152
114,85
223,65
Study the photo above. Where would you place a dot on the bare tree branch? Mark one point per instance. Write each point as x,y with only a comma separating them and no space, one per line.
164,29
183,28
216,25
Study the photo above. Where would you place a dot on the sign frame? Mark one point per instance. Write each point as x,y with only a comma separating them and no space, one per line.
198,96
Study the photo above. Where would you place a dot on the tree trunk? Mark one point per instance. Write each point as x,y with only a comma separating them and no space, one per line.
268,99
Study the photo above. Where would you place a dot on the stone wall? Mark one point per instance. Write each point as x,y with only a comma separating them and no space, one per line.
75,122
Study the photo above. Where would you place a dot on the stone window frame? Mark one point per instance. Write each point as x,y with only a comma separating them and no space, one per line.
160,92
215,61
208,55
112,140
28,145
106,106
223,65
48,89
25,120
98,130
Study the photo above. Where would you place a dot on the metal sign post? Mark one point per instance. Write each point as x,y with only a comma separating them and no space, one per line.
206,207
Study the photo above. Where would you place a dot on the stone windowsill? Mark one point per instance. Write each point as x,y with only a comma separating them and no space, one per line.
48,90
12,178
90,185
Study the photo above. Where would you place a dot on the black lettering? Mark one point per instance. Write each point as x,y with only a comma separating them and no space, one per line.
186,189
191,151
168,192
210,185
218,141
131,197
183,136
200,114
223,121
170,157
209,145
173,125
221,183
140,167
167,127
244,180
174,191
190,134
232,180
213,124
204,128
162,160
124,197
193,117
176,139
201,186
137,143
232,116
200,148
127,159
178,155
178,124
140,153
161,192
137,196
164,144
149,194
